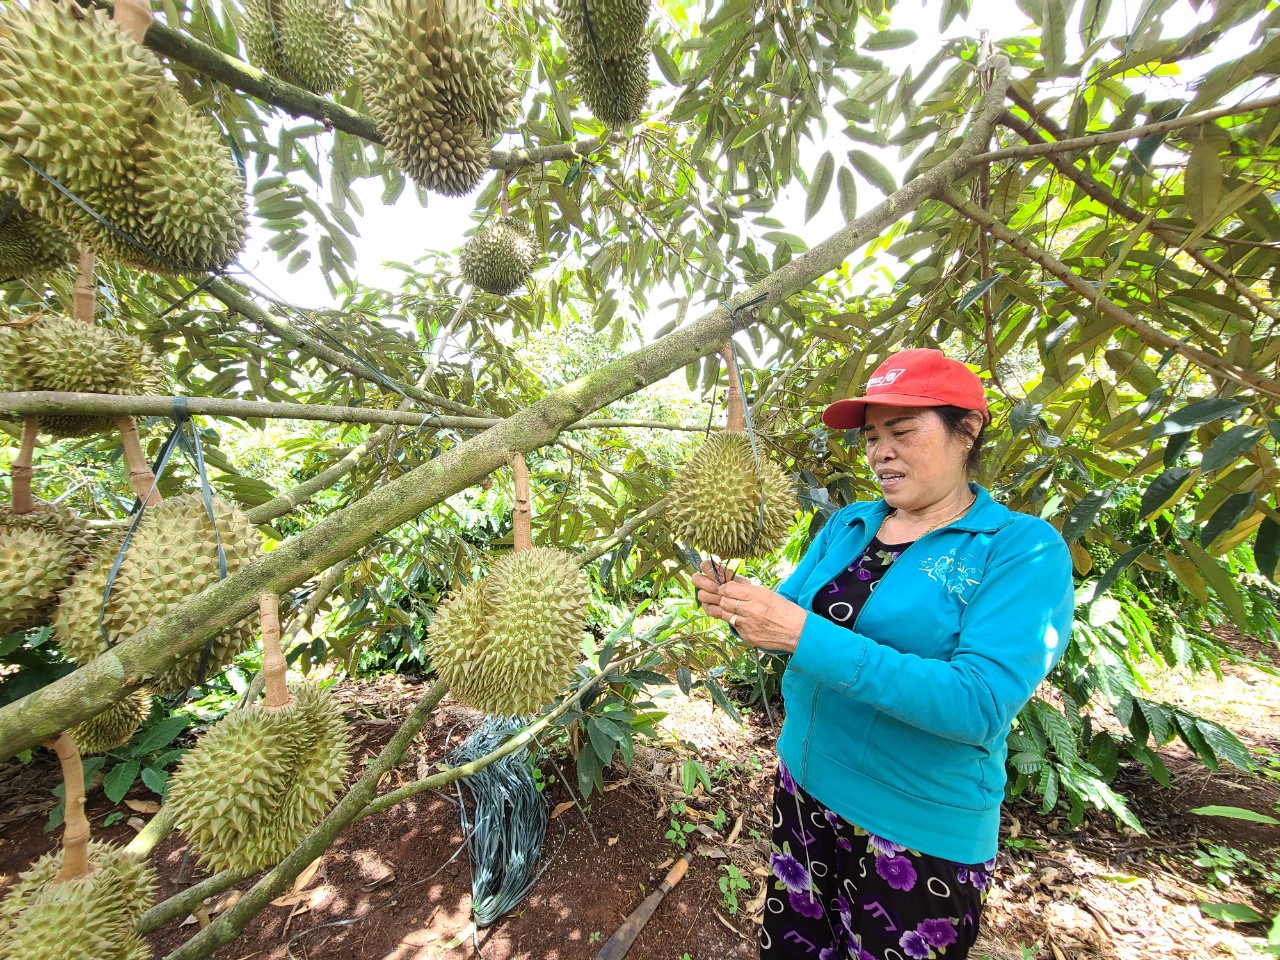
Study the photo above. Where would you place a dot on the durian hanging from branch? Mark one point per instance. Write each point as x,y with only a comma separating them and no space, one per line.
608,55
500,257
730,499
304,42
95,140
255,785
82,902
507,644
439,81
29,245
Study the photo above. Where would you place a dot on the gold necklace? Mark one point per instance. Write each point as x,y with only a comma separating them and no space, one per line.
941,523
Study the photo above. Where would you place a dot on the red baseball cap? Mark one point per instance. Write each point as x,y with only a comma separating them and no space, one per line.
912,378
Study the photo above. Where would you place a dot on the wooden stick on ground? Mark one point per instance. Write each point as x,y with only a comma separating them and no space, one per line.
21,470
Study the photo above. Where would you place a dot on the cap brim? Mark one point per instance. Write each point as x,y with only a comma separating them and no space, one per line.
851,414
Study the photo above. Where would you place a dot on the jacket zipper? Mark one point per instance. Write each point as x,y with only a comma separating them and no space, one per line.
817,684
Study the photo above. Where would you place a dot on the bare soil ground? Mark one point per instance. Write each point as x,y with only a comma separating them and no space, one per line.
393,889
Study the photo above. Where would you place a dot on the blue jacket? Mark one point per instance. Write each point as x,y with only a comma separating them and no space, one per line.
899,723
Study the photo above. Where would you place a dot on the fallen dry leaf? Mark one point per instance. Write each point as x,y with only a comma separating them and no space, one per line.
561,808
143,806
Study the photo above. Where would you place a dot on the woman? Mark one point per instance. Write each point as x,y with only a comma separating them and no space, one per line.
918,626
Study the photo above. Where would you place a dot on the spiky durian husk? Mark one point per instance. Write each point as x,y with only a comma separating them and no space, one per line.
255,785
172,556
29,245
499,258
34,565
608,55
306,42
613,28
74,89
717,499
507,644
99,117
91,918
114,727
58,353
439,83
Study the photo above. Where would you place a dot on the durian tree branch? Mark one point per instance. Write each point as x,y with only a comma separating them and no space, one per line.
186,902
627,529
1109,308
1165,234
96,685
232,921
1079,144
36,402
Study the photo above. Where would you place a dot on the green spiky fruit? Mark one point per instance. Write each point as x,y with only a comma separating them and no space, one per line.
439,82
30,246
499,258
90,918
255,785
717,499
305,42
82,104
114,727
38,555
172,556
506,645
608,55
58,353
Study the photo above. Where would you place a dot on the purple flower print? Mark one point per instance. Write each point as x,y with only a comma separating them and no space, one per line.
915,946
806,904
829,953
882,847
790,871
940,933
897,872
785,780
832,818
843,843
855,949
846,915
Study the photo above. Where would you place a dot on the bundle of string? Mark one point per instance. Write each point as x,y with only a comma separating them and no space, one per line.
507,826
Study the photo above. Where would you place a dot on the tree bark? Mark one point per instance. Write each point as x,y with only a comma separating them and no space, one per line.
75,836
95,686
735,404
141,479
21,470
522,514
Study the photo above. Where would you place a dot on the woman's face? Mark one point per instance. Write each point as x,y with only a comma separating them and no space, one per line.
916,460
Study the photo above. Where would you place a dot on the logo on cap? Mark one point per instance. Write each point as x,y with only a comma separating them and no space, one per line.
885,379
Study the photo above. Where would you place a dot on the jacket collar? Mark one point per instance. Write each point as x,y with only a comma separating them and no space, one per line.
985,516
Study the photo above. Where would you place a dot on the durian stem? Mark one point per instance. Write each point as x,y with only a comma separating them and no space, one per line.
21,470
274,667
734,404
140,476
75,837
134,17
83,294
522,514
504,195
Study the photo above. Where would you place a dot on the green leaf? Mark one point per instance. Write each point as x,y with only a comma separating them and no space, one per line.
1235,813
820,185
1202,182
1122,563
1220,580
1266,548
974,293
590,772
1231,912
848,194
1092,18
1195,415
1229,513
1083,514
873,171
161,735
1230,446
667,64
721,700
119,779
156,780
1053,38
1164,490
601,741
889,40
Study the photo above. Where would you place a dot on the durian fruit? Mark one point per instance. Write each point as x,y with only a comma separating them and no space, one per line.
255,785
608,55
39,552
29,246
507,644
88,918
83,104
172,556
439,82
499,258
114,727
57,353
304,42
717,498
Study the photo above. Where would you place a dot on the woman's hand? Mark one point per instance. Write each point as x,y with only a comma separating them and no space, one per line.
761,617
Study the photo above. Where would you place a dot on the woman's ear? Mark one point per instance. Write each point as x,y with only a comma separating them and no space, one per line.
973,423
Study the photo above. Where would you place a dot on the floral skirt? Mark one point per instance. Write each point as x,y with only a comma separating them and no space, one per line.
841,893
